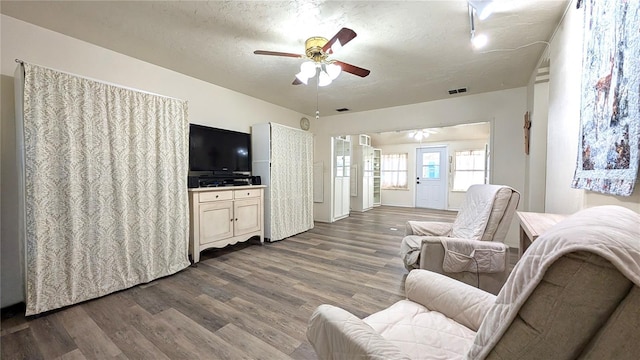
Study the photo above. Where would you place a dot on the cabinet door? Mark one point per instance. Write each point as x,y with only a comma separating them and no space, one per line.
370,194
342,198
338,209
216,221
247,216
366,190
346,196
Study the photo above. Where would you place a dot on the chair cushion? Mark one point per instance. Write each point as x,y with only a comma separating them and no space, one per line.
421,333
337,334
475,212
500,204
619,338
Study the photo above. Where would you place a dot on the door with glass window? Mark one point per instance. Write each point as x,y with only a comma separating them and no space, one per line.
431,177
341,174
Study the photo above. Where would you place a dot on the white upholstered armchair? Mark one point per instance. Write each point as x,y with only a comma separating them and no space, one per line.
574,294
470,249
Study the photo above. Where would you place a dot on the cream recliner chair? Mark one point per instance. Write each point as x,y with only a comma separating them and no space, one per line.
574,294
470,249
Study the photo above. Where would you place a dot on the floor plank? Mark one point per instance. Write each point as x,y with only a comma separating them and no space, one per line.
244,301
88,336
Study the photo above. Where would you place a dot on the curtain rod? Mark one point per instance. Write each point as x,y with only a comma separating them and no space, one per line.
22,62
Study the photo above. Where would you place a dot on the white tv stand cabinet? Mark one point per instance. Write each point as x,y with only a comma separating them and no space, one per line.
221,216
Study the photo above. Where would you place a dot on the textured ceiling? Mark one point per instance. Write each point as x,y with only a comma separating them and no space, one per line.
416,50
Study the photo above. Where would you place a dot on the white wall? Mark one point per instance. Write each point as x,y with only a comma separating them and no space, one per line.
208,105
504,109
407,198
564,123
537,159
564,115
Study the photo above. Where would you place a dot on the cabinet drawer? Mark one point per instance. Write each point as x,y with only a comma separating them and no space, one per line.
247,193
216,196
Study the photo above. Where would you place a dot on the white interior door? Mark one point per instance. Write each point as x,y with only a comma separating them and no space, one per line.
431,177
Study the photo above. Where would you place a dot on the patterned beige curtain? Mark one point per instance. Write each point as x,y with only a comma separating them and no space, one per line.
105,200
291,181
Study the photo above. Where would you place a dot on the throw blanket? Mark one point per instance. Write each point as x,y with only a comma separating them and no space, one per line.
604,230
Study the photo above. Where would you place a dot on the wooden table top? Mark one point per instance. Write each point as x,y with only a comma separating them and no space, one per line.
534,224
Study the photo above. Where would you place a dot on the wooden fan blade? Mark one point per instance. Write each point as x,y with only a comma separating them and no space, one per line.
276,53
352,69
296,82
344,35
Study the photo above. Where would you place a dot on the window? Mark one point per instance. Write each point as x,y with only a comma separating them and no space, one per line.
469,169
393,171
431,166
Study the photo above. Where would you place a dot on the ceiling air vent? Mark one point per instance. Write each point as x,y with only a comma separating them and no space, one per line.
342,110
457,91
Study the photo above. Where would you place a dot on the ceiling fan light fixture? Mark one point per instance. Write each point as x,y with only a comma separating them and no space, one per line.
479,41
302,77
419,134
308,69
333,70
324,79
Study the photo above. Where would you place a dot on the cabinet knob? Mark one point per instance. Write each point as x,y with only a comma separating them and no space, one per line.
217,196
248,194
236,219
231,220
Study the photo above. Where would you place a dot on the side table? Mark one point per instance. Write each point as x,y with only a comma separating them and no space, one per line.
532,225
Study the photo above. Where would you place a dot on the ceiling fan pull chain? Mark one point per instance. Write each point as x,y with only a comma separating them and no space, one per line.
317,96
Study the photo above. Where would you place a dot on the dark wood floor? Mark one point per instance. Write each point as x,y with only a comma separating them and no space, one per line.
242,302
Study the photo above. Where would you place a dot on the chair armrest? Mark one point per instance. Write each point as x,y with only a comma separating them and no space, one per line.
468,255
336,334
477,244
427,228
454,299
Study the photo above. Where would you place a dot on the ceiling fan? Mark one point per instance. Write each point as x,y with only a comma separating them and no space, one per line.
420,134
317,52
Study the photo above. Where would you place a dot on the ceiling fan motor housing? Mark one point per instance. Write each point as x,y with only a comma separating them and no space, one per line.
314,46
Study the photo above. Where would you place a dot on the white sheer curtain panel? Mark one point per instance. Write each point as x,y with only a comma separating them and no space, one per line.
291,181
105,191
394,171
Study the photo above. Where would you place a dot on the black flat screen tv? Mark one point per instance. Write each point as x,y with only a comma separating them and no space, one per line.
218,150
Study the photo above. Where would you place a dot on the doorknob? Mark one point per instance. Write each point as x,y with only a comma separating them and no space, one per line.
417,182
